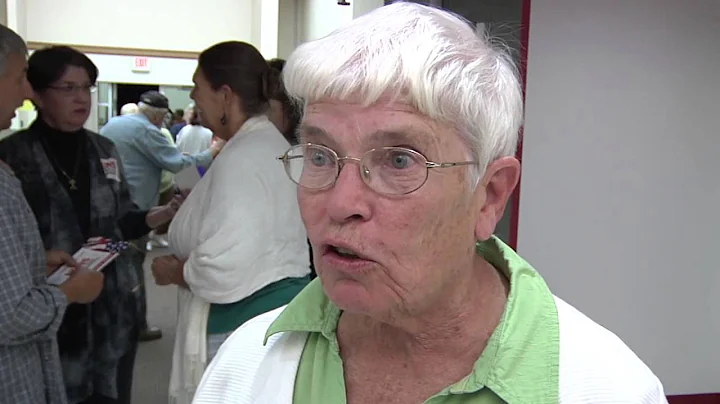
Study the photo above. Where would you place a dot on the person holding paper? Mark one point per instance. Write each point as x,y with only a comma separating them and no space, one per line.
74,182
239,246
32,310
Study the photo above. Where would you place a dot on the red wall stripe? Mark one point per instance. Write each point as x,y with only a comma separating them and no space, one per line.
524,40
695,399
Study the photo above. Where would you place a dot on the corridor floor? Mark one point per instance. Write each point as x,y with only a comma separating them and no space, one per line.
153,362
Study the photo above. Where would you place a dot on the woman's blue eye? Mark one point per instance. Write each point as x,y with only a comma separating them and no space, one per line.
400,160
319,158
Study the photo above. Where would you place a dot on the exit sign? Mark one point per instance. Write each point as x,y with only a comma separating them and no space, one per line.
141,64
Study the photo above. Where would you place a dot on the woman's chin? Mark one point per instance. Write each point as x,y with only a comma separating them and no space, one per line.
350,295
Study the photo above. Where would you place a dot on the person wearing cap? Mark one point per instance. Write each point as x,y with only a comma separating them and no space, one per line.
405,165
146,152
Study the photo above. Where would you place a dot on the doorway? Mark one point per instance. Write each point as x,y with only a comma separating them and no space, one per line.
127,93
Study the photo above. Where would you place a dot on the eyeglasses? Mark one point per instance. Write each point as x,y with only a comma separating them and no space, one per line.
386,170
71,89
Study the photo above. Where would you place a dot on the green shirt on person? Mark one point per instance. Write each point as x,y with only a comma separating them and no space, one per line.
513,368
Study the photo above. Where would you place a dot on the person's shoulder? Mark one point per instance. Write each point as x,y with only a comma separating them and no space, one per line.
11,192
105,144
183,130
101,140
597,366
16,139
242,354
264,140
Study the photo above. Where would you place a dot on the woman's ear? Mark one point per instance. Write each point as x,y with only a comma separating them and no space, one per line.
227,94
501,178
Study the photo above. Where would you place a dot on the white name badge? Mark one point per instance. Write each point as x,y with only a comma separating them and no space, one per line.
111,169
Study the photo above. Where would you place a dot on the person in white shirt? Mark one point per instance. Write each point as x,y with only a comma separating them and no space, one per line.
194,137
238,242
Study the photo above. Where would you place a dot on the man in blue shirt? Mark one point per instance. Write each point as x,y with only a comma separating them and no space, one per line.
145,152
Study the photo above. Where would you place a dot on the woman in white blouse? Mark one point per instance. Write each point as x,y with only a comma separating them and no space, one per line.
239,245
194,137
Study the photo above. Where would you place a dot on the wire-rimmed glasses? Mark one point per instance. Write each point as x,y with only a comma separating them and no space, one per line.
386,170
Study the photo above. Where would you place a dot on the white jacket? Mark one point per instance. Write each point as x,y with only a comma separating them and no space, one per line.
596,367
240,230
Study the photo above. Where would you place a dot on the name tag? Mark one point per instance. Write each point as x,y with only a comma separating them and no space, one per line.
110,167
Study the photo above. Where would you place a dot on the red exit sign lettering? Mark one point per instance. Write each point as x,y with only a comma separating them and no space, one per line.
141,64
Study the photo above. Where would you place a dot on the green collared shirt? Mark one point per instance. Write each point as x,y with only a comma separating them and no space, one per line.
519,365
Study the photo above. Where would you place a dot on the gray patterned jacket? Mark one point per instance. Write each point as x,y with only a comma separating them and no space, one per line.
32,310
93,337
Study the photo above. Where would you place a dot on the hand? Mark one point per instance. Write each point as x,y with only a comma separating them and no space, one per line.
167,270
216,145
56,258
174,205
83,286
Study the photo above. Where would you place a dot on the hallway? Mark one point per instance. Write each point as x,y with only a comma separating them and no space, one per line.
153,362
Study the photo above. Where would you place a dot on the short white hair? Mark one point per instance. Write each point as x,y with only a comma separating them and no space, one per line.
150,111
428,58
129,109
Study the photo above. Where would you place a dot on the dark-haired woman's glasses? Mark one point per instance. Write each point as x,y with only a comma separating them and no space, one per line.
69,89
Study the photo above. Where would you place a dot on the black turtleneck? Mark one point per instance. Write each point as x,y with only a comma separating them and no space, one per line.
67,152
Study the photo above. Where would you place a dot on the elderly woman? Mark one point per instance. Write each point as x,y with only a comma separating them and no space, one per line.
404,166
74,182
238,241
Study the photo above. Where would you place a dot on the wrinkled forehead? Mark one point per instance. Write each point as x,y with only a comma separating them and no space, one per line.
354,126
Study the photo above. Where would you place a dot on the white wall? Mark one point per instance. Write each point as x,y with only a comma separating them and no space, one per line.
317,18
288,29
184,25
620,190
168,71
16,15
3,13
178,97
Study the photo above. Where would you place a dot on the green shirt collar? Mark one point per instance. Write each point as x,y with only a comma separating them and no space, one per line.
521,360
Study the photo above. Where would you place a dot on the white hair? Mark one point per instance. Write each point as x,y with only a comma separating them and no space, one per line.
428,58
129,109
150,111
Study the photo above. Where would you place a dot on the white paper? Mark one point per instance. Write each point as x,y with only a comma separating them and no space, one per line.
187,178
92,259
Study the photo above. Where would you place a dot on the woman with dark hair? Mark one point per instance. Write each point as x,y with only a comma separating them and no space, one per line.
283,113
238,241
73,180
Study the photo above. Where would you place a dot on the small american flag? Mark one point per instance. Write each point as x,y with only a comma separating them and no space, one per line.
117,246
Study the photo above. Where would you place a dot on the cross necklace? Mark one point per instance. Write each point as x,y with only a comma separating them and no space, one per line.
72,182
